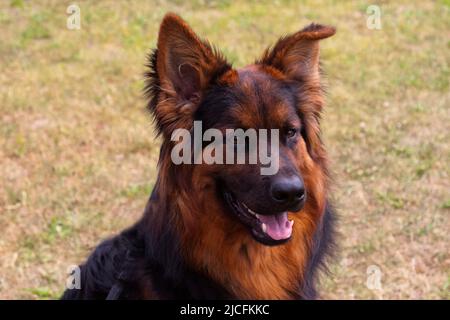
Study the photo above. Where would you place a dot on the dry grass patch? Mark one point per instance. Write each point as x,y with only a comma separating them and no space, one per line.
78,156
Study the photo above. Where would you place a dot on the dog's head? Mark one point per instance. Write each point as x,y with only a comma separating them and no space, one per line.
191,81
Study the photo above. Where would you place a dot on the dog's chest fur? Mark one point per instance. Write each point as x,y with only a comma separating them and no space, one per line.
140,266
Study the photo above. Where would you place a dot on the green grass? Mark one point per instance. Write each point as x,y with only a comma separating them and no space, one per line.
135,191
43,293
78,156
36,29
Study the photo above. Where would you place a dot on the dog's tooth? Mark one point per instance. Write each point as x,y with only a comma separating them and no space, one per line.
264,227
248,209
291,222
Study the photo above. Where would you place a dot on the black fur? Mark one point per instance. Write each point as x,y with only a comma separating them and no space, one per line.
143,260
323,247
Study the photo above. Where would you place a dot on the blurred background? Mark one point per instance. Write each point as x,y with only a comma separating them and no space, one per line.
78,152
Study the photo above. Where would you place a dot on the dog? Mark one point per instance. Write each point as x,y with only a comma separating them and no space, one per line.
225,231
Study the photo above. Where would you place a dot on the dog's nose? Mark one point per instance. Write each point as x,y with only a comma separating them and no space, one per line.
289,192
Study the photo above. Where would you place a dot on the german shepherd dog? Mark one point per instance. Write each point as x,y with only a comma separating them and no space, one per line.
224,231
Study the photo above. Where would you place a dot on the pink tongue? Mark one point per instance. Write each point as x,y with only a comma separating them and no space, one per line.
278,225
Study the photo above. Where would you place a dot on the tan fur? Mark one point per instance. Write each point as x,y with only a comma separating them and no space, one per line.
217,244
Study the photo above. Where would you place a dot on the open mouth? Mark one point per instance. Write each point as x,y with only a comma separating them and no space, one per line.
268,229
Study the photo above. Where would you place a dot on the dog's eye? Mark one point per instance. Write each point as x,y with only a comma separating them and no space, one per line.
291,132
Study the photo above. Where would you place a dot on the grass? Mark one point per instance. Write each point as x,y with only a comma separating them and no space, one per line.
78,156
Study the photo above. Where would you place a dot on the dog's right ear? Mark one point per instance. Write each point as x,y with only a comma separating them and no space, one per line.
297,55
181,68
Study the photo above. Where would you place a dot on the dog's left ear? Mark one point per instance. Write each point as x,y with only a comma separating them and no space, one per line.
297,55
182,67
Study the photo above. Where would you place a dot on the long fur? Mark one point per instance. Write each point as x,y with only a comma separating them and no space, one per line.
151,267
186,246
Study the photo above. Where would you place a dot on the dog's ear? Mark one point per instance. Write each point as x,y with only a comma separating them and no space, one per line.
297,55
181,68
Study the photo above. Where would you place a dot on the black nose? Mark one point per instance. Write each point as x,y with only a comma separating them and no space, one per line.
289,192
